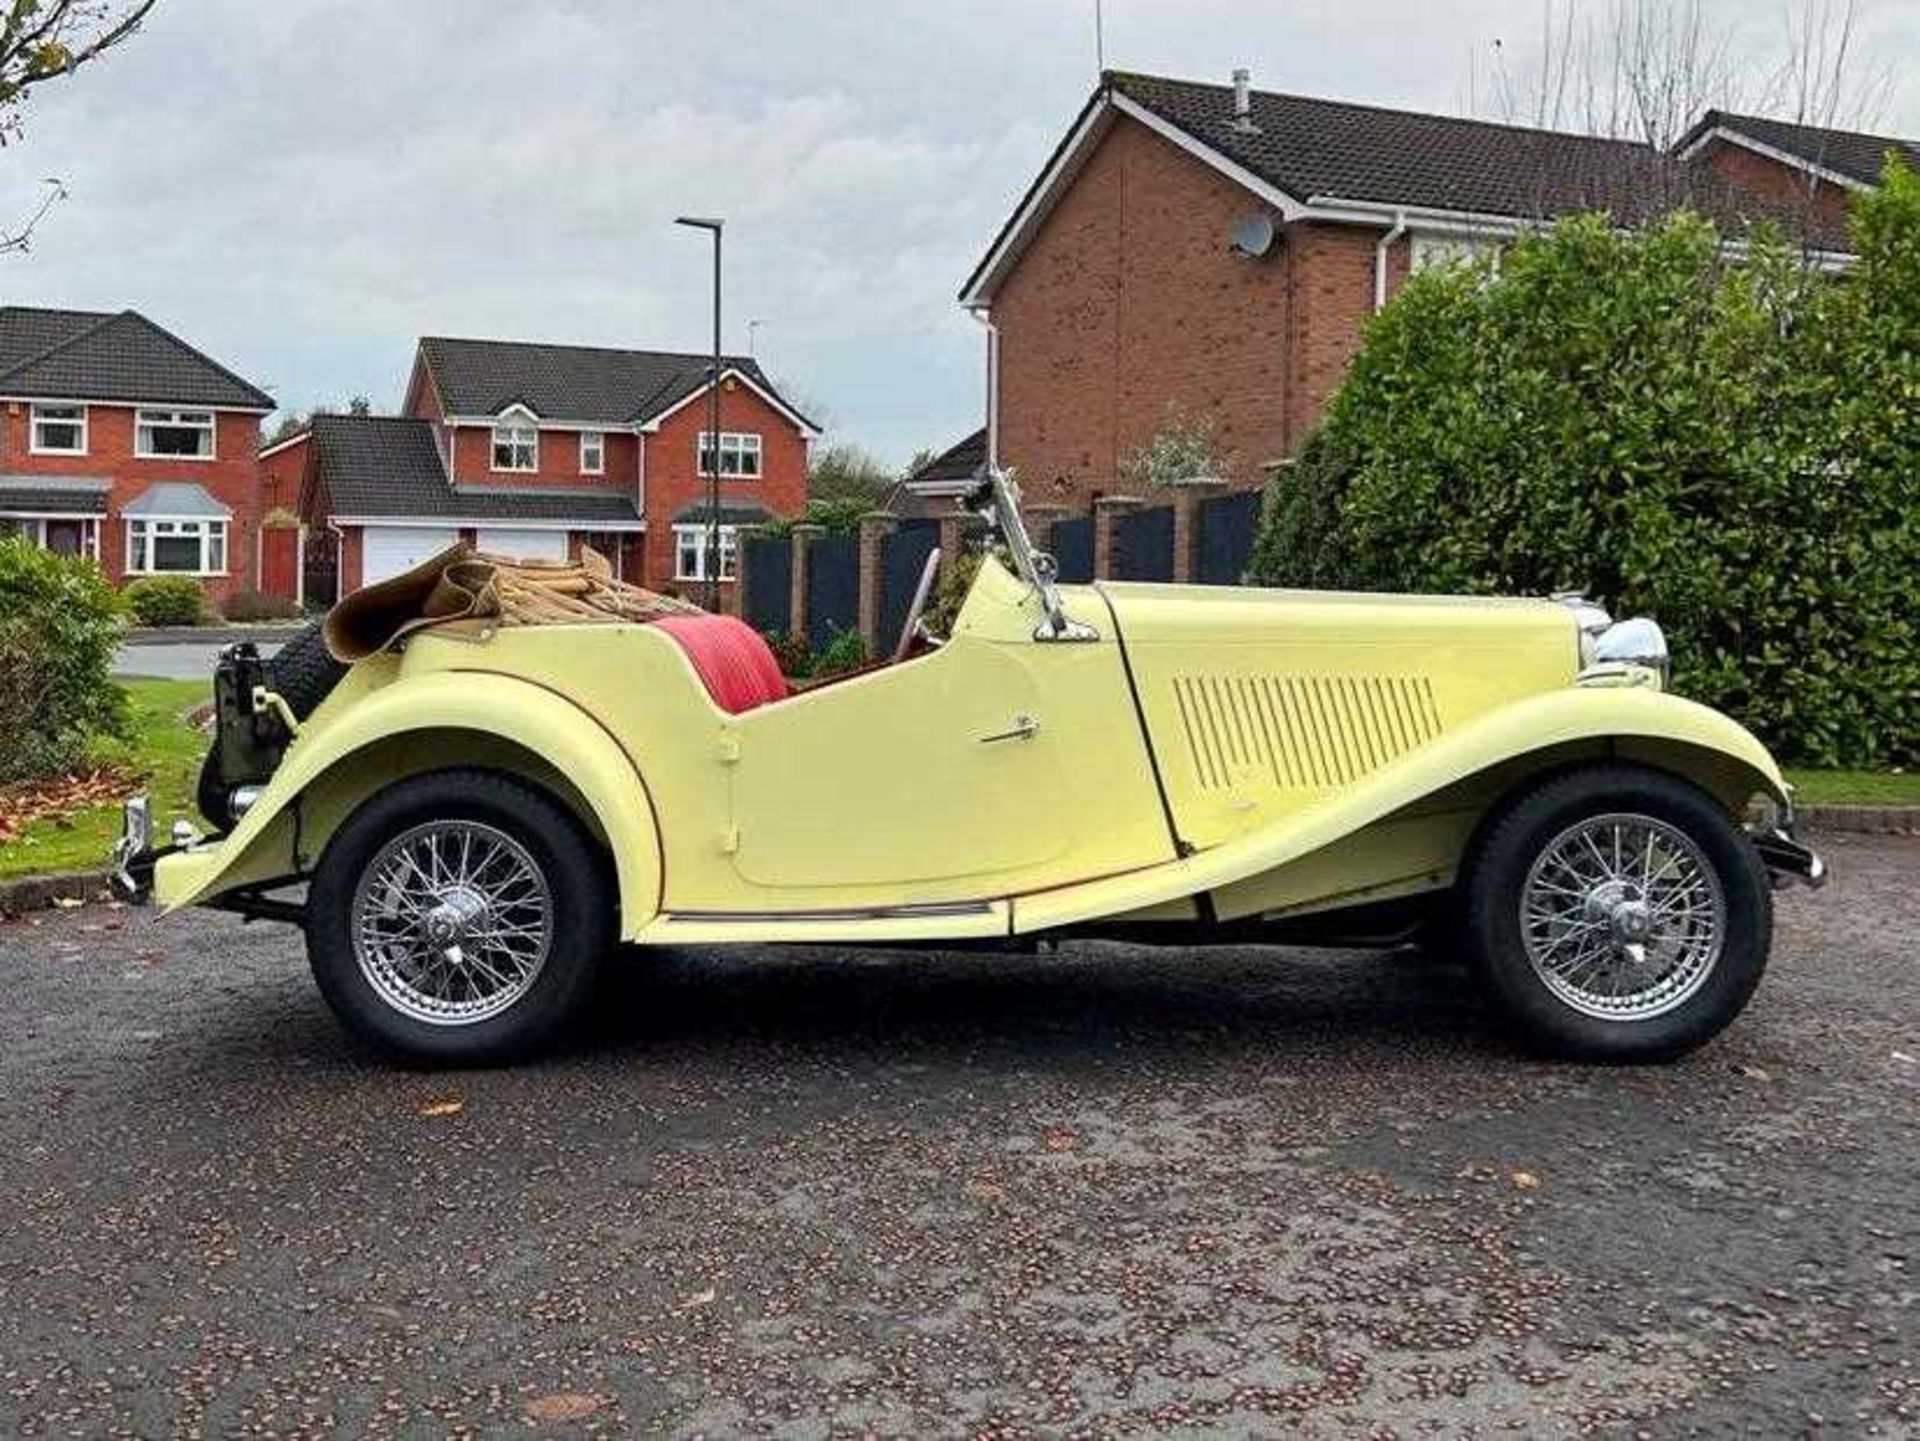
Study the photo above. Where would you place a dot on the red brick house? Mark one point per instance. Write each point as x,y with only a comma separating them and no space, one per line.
1208,252
120,441
535,450
1804,167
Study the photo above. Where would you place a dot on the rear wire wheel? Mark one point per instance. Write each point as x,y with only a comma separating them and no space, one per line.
459,917
1617,913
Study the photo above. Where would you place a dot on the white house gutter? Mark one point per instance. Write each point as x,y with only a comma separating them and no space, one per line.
984,314
1380,261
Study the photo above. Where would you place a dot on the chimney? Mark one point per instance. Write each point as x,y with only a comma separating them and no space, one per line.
1243,100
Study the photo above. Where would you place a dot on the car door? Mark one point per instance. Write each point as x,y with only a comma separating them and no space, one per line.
994,766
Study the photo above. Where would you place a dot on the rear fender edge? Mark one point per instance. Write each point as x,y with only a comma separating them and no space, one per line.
275,837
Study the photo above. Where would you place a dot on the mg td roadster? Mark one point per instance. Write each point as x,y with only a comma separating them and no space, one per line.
487,803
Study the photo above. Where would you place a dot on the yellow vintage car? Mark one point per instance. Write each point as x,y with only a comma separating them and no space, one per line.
471,818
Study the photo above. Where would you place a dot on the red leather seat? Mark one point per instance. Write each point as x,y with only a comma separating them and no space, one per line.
732,660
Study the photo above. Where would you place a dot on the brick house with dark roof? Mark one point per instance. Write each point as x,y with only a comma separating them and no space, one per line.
1213,252
122,442
1808,168
535,450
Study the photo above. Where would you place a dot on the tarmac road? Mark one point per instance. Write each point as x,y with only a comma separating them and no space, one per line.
1100,1192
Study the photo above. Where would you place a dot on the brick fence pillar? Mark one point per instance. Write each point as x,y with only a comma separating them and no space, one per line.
803,535
875,527
1106,511
1187,500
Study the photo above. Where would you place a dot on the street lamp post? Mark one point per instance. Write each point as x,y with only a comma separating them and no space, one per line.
712,449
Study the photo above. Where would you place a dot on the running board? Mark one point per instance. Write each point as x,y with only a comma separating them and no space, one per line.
954,920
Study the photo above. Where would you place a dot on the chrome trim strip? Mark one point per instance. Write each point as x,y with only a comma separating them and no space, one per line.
876,913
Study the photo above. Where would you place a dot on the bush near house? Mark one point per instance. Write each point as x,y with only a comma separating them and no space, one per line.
251,605
59,627
1731,447
166,600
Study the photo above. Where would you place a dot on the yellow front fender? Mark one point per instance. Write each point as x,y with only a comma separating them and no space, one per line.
328,768
1632,724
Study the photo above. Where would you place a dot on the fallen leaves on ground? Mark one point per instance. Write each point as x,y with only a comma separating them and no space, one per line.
563,1406
443,1108
694,1302
1525,1181
29,801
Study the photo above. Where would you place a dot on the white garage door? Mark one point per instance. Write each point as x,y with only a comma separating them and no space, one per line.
391,549
523,544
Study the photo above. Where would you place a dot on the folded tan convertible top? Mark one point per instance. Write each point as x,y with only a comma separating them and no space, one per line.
472,592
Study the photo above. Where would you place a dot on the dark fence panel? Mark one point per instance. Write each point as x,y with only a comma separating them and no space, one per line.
833,587
321,561
1228,525
1143,544
903,555
768,603
1072,544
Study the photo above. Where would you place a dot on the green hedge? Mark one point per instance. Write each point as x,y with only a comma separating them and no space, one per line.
1729,446
166,600
59,627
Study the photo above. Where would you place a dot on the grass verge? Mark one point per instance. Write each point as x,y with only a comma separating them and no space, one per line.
1855,788
164,749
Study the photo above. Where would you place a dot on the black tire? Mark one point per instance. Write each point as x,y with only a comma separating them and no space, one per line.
578,877
304,671
1495,882
210,791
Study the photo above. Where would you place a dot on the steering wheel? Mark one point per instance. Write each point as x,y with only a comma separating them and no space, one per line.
928,574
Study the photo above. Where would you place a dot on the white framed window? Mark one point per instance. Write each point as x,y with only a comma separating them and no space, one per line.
516,445
739,455
1431,250
593,452
176,547
690,552
173,434
63,535
59,430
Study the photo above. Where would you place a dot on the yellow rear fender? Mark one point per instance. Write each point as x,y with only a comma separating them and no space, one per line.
1469,768
428,722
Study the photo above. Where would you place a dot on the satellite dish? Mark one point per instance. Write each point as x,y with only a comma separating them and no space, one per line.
1253,236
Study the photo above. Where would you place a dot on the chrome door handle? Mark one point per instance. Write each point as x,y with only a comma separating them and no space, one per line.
1024,728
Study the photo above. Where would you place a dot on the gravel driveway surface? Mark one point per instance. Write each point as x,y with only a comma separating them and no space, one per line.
1106,1191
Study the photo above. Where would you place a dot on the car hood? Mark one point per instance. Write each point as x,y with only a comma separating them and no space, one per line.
1261,701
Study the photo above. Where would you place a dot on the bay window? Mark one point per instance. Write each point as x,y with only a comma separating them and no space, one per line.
739,455
59,430
181,547
173,434
690,552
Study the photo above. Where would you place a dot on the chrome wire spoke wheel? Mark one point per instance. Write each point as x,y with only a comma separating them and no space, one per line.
452,922
1623,917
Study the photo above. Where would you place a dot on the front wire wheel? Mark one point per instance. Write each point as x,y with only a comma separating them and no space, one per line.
1623,916
1617,913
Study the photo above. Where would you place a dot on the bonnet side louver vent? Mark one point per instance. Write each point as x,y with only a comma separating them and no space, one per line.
1301,733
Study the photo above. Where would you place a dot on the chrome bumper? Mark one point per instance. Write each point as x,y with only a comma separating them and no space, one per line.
1787,860
134,853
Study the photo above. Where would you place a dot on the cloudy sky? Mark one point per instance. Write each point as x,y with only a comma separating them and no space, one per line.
303,186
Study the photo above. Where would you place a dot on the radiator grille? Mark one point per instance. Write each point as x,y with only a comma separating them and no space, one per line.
1300,733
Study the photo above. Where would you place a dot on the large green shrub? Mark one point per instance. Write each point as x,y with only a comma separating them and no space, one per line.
59,626
1729,444
166,600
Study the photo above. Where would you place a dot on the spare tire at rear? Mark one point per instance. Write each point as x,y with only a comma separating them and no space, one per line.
303,673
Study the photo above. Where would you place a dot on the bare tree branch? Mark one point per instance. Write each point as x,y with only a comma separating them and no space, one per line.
20,238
